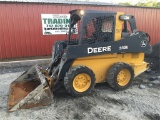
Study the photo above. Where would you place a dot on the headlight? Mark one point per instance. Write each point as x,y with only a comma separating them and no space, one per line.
81,12
125,17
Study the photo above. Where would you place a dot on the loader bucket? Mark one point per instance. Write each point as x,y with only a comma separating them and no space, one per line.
29,90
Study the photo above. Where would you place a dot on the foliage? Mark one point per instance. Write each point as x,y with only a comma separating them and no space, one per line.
147,3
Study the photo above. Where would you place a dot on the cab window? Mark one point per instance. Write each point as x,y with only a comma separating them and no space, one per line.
107,26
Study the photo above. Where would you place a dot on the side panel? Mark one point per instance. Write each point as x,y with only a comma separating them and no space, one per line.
134,44
101,64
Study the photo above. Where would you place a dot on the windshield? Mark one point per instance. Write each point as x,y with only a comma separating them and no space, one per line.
74,29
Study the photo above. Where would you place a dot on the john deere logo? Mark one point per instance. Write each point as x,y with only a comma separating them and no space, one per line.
143,43
98,49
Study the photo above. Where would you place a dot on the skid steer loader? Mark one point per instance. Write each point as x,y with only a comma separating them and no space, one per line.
102,46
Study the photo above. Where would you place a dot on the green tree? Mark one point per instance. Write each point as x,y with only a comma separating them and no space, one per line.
147,3
125,3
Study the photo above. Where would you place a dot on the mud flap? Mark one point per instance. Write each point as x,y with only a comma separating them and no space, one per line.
31,89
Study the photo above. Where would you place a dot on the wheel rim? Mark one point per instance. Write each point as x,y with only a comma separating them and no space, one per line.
82,82
123,77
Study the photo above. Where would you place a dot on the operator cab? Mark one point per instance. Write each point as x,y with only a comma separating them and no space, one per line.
93,26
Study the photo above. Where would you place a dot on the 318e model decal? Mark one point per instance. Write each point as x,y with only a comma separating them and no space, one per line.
125,47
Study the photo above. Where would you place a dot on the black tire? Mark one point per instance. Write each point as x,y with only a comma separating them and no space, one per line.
155,51
113,73
70,76
154,63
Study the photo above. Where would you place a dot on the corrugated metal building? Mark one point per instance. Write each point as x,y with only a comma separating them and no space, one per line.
21,27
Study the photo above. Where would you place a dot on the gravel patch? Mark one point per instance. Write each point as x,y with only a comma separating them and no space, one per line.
102,103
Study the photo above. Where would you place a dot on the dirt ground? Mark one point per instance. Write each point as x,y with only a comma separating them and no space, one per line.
102,104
